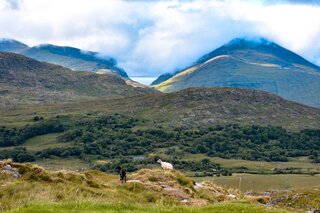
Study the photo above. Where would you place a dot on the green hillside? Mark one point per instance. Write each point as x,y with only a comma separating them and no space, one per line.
259,65
26,80
135,144
186,108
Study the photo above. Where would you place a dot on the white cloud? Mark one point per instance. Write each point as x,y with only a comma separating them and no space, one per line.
153,37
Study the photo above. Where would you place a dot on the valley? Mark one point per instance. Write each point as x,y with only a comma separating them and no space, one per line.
164,106
59,123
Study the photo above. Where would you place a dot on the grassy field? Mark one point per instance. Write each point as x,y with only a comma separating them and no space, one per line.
57,163
42,142
86,207
302,163
261,183
39,143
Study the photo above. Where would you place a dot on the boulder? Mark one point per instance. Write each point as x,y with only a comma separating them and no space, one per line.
7,167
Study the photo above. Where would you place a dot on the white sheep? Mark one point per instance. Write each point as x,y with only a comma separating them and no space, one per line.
165,165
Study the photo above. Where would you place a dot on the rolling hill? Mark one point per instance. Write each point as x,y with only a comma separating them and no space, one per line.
253,64
70,57
27,80
210,106
188,108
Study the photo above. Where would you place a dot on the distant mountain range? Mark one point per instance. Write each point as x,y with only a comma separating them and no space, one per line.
25,80
254,64
29,83
70,57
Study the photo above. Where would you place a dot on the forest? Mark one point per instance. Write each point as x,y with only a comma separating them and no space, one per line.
119,138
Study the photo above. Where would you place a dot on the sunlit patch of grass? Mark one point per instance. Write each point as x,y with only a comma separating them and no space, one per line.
130,207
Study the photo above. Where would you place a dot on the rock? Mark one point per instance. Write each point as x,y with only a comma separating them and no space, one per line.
7,167
134,181
185,201
266,194
249,192
16,175
176,192
165,186
9,170
198,186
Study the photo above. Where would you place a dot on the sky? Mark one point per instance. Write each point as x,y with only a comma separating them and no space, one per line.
149,38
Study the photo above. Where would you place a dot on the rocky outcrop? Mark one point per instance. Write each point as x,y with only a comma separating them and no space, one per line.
10,170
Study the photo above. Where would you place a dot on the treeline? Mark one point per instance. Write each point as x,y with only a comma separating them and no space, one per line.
116,137
17,136
229,141
18,154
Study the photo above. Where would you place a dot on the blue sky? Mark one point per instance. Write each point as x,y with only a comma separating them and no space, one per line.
149,38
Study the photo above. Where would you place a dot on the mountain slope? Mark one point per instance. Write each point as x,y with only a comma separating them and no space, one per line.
260,65
187,108
25,79
69,57
207,106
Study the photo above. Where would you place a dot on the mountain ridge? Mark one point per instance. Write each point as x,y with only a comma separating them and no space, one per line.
70,57
24,80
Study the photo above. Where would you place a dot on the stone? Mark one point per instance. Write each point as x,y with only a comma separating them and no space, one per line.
198,186
266,194
7,167
134,181
185,201
16,175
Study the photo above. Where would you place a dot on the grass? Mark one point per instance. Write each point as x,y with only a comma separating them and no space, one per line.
302,163
56,163
40,190
261,183
39,143
242,207
42,142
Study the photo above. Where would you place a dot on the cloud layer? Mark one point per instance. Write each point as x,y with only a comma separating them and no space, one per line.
149,38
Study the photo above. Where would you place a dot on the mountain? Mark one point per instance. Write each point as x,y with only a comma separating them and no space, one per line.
211,106
253,64
25,79
188,108
70,57
11,45
163,78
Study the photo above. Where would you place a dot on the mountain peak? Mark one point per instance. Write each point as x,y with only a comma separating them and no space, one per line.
253,64
253,40
11,45
250,42
254,45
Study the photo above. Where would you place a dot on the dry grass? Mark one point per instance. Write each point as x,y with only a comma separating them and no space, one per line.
146,191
